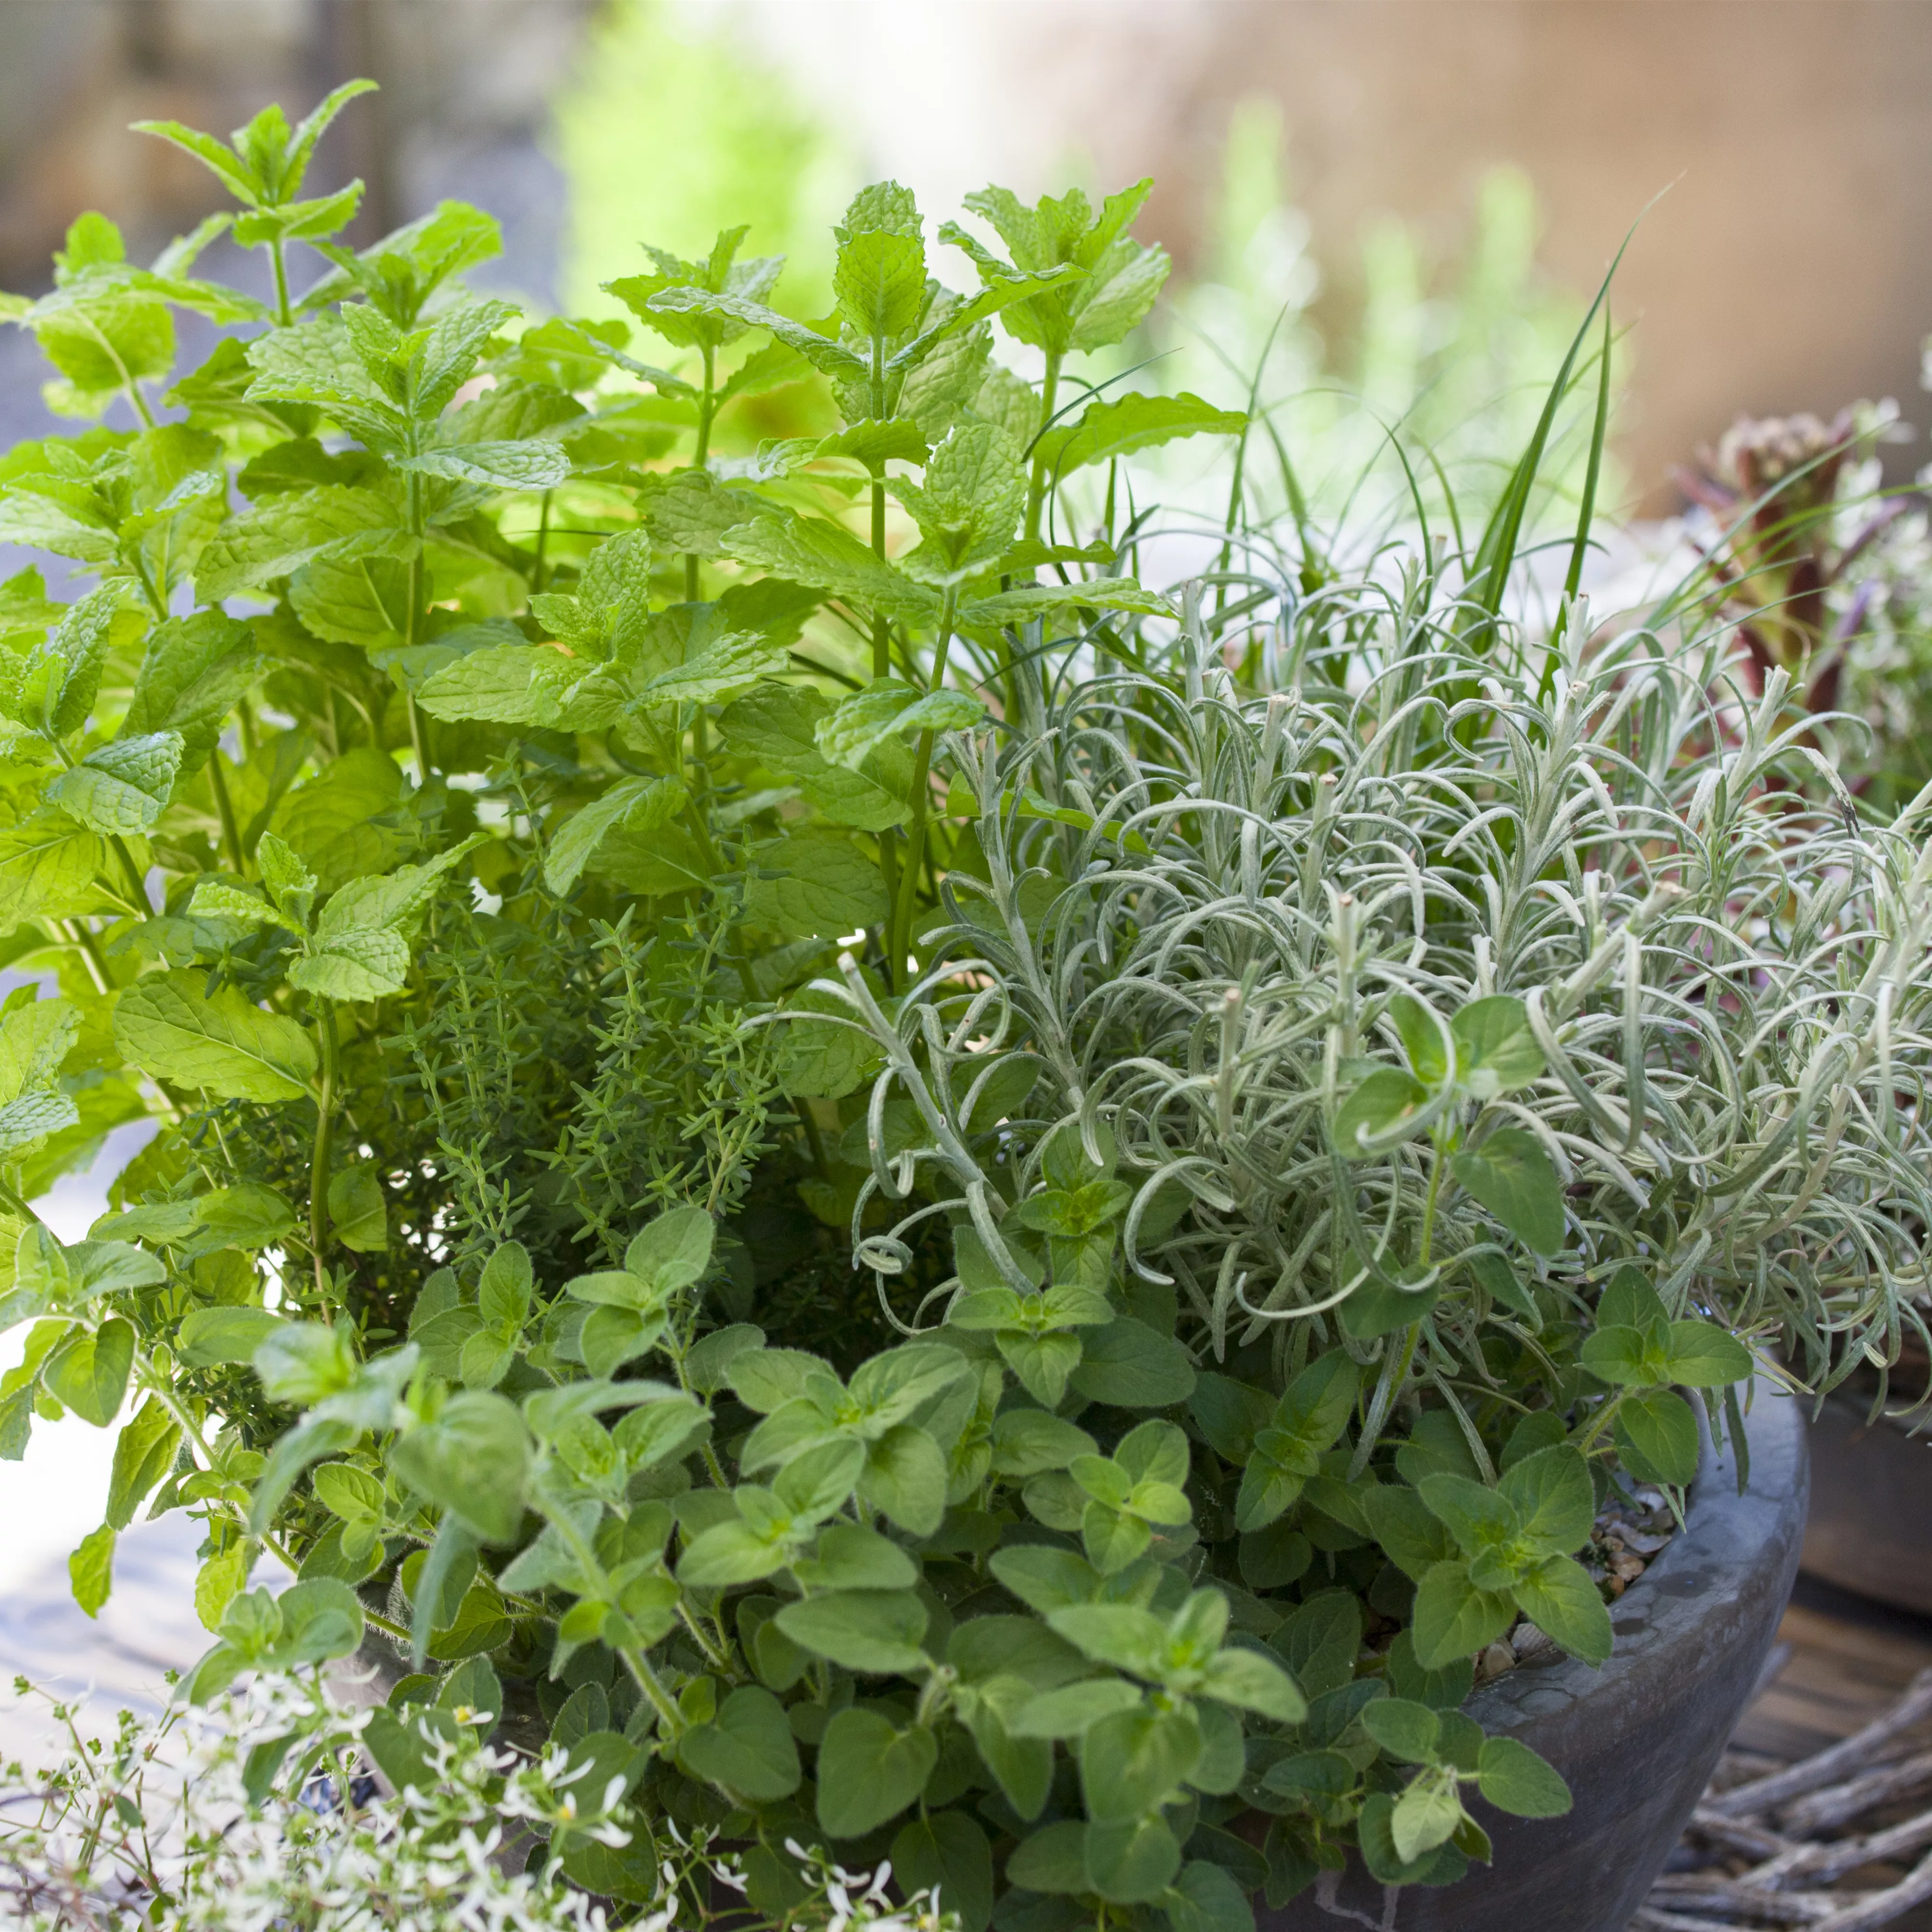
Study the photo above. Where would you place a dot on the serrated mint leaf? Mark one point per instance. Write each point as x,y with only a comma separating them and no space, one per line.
122,787
172,1029
1107,430
638,804
214,898
880,281
827,888
353,963
888,709
526,464
341,823
295,527
48,865
724,664
393,902
31,1118
502,684
777,724
811,551
34,1038
1098,593
362,600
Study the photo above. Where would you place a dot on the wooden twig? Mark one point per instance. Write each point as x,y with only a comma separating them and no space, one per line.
1811,1774
1824,1811
1881,1908
1653,1918
1738,1897
1827,1862
1740,1835
1782,1822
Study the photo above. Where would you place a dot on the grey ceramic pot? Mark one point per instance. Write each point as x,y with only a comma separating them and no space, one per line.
1636,1740
1871,1506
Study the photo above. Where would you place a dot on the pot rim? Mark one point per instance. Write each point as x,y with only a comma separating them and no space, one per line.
1657,1607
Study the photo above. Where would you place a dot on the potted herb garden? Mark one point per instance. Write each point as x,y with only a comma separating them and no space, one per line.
841,1183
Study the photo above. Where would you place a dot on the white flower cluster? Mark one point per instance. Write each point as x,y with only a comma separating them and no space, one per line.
177,1827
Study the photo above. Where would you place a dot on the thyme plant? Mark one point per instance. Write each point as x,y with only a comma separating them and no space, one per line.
888,1191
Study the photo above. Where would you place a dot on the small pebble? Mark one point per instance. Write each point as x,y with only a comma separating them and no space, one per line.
1526,1641
1494,1661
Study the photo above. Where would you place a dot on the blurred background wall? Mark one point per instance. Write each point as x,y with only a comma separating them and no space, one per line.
1786,267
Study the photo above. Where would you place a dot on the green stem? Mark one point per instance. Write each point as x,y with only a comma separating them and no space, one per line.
543,544
147,1378
814,1140
77,935
284,315
157,602
136,884
882,667
318,1171
706,409
9,1198
224,808
1435,1167
417,745
717,1659
919,798
1601,1420
1388,1386
418,741
646,1678
882,624
1049,392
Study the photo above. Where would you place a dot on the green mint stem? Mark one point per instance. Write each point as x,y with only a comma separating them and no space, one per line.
1049,392
318,1172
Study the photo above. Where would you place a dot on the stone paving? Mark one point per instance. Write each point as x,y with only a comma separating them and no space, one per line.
147,1628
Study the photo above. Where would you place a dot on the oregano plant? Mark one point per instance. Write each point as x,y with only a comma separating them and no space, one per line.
823,1163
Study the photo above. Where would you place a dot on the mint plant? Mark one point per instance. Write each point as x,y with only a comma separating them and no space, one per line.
827,1164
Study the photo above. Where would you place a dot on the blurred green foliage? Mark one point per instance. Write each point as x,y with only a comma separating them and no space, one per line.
674,129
